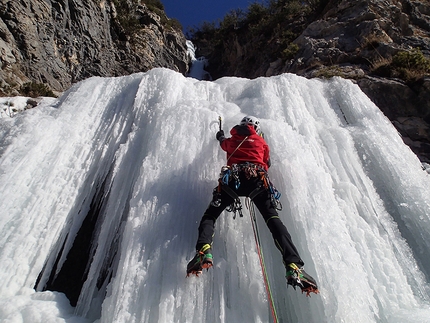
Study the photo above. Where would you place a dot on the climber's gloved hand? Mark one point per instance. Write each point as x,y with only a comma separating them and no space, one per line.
220,136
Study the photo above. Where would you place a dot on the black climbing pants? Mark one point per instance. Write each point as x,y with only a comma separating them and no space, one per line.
263,203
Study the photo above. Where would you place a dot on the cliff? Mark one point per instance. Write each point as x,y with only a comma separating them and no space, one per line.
59,42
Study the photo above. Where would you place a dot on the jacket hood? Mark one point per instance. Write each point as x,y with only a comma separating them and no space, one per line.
246,130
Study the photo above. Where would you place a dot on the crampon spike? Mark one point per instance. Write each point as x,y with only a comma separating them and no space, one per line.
195,273
309,290
198,272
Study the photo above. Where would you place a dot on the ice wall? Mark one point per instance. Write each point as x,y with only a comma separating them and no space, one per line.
137,155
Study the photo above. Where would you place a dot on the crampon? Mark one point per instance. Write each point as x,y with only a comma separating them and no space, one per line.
298,277
202,260
199,271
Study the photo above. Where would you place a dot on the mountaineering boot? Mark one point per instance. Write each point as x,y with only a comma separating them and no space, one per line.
202,260
298,277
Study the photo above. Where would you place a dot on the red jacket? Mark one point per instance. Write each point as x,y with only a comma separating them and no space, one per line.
254,149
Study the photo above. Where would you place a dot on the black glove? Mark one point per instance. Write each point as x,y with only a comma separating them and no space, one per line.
220,136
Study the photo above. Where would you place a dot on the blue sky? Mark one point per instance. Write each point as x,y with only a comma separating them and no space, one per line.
193,12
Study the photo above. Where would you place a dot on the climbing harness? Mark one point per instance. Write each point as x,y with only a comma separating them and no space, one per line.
250,206
250,170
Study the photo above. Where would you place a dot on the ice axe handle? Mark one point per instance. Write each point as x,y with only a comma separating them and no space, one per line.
220,120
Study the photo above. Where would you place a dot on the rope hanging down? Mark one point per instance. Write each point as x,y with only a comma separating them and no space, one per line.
250,206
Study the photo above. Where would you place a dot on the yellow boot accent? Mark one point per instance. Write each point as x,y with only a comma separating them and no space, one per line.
205,247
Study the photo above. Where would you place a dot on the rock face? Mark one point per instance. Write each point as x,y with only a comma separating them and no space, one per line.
59,42
363,32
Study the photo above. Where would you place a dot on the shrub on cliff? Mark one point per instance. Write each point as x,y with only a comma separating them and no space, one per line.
129,20
406,65
34,90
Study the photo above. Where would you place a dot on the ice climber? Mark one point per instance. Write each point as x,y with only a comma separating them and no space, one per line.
248,160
